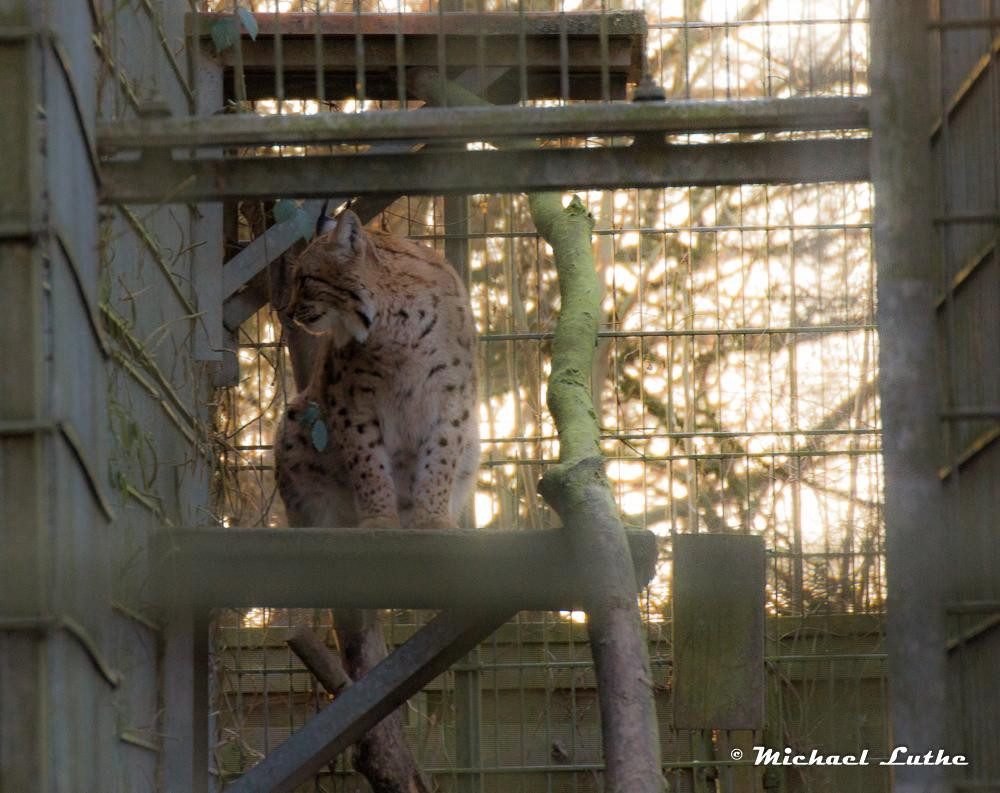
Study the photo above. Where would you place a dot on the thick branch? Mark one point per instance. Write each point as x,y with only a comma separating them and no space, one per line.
578,490
318,659
567,230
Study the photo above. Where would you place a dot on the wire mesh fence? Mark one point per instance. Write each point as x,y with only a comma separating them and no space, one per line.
735,380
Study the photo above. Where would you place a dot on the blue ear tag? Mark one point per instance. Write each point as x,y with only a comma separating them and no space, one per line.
310,414
317,427
319,435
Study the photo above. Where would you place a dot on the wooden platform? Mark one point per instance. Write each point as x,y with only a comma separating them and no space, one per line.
319,568
459,41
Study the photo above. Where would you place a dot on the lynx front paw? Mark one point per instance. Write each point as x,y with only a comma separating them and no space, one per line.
380,522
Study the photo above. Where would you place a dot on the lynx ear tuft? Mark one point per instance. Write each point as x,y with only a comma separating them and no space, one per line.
349,231
325,223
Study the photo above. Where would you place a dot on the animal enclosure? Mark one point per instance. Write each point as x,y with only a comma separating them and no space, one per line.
748,354
718,413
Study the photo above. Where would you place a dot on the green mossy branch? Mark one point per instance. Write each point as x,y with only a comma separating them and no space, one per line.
579,491
567,230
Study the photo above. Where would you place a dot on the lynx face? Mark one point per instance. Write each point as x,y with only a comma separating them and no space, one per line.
329,296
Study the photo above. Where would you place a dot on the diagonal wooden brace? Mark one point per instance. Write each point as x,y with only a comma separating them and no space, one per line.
428,653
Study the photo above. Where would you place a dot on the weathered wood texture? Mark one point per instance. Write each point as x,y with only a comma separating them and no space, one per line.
57,722
908,378
483,171
332,567
962,67
158,296
492,123
23,513
718,607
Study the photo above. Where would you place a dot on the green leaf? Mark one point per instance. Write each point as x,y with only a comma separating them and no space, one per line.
249,22
225,33
304,224
319,435
284,209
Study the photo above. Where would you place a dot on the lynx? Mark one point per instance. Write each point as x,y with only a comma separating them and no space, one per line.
385,435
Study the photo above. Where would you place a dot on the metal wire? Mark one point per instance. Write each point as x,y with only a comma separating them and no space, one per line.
735,388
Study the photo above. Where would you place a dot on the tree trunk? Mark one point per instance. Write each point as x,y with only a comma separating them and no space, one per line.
578,489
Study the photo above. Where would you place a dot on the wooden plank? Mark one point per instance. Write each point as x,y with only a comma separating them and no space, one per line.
490,123
266,248
411,666
718,602
462,171
323,568
535,24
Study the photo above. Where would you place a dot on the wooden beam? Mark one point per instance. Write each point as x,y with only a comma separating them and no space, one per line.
266,248
510,171
490,123
545,24
321,568
423,657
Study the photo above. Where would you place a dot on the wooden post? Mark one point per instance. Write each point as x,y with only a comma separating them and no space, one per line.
468,695
185,694
206,224
909,375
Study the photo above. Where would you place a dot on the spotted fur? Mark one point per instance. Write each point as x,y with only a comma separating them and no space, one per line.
395,386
